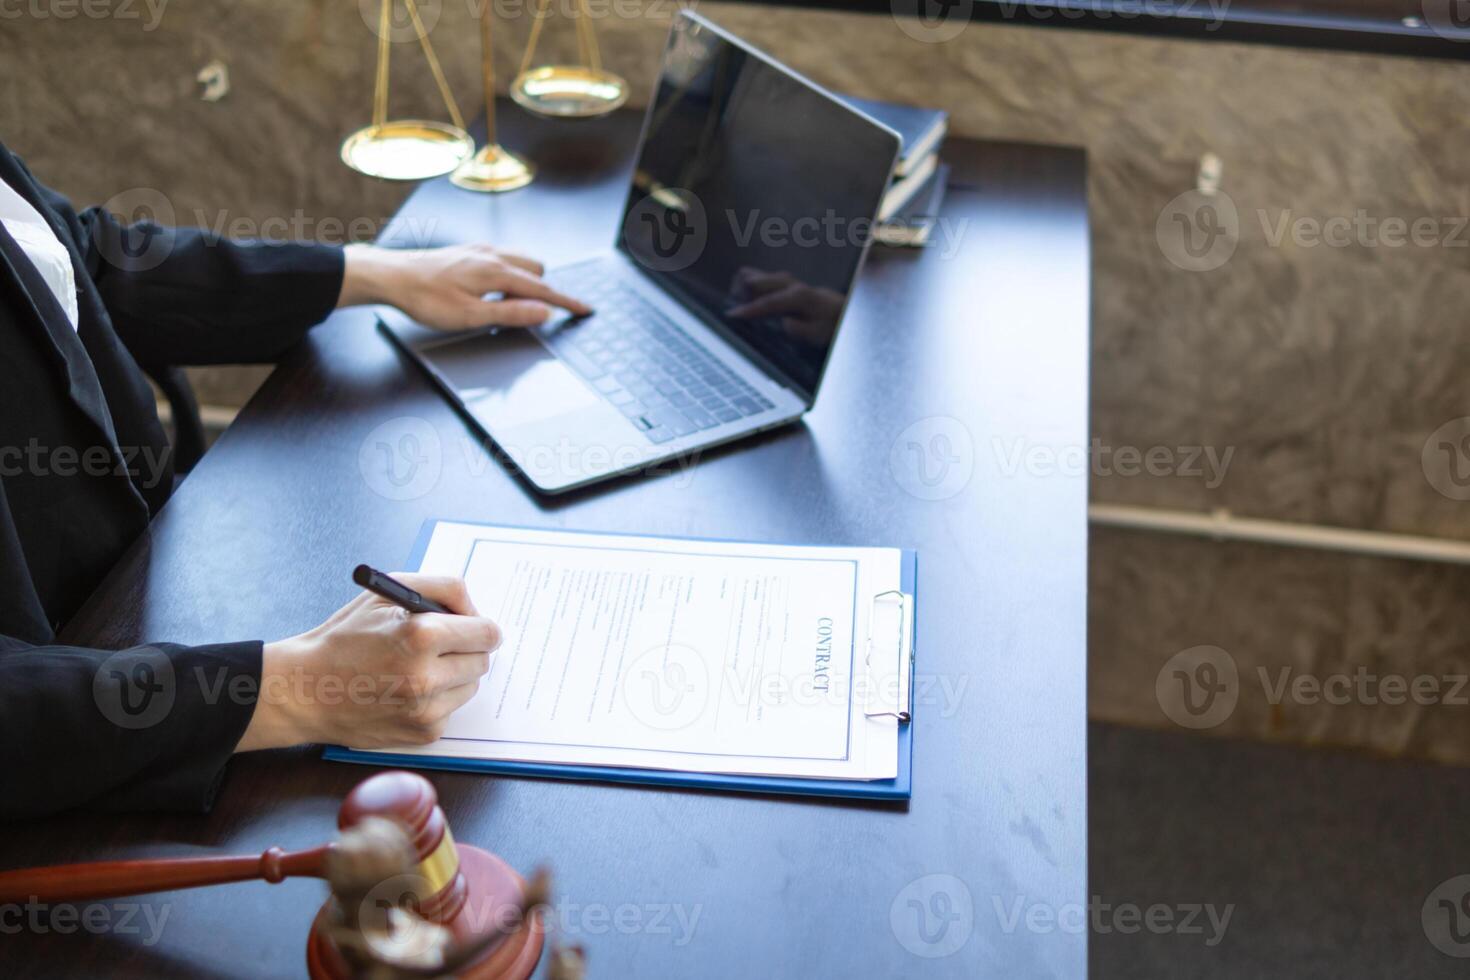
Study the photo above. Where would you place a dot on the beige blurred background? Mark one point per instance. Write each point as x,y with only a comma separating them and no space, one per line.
1314,371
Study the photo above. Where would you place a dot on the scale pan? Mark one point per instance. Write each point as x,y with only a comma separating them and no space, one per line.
568,91
407,149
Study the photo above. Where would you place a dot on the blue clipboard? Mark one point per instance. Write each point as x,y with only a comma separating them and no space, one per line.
898,788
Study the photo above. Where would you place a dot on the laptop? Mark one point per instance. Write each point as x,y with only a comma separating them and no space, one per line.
748,218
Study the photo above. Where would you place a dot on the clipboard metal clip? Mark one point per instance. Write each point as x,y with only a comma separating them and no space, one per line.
904,654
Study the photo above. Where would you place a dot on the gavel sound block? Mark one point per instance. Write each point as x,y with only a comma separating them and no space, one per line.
469,892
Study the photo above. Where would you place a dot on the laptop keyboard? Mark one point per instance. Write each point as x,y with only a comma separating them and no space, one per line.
662,380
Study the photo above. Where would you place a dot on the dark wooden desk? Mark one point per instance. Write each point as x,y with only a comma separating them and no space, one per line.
983,344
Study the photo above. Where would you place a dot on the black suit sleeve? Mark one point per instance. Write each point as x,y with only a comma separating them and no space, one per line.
150,728
187,296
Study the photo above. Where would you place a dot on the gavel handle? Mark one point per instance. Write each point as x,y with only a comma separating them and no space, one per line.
116,879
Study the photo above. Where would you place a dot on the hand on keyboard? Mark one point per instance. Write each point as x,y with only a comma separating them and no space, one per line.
458,287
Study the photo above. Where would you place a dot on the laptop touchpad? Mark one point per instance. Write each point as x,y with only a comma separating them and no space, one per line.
508,378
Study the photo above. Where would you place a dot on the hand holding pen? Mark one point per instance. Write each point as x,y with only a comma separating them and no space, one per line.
386,670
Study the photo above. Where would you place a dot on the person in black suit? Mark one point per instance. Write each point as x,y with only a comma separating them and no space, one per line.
87,304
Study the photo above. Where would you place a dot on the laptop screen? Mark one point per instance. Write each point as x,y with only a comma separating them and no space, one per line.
753,198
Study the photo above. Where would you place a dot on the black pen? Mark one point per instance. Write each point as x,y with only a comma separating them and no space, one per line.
395,591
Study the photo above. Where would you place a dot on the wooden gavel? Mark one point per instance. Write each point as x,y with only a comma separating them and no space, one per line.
467,891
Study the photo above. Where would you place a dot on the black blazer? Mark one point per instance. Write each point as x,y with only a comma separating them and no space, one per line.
84,464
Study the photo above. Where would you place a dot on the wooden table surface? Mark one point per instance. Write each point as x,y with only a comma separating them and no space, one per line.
960,369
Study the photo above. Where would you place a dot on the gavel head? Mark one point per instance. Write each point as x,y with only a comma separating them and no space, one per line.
409,799
473,901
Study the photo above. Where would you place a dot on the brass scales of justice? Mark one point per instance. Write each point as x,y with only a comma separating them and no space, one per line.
418,149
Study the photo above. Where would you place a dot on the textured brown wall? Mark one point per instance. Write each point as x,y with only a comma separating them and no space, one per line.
1320,369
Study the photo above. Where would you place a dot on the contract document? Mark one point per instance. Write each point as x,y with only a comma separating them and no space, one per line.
677,654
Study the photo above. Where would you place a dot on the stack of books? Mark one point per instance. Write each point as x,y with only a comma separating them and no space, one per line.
910,209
